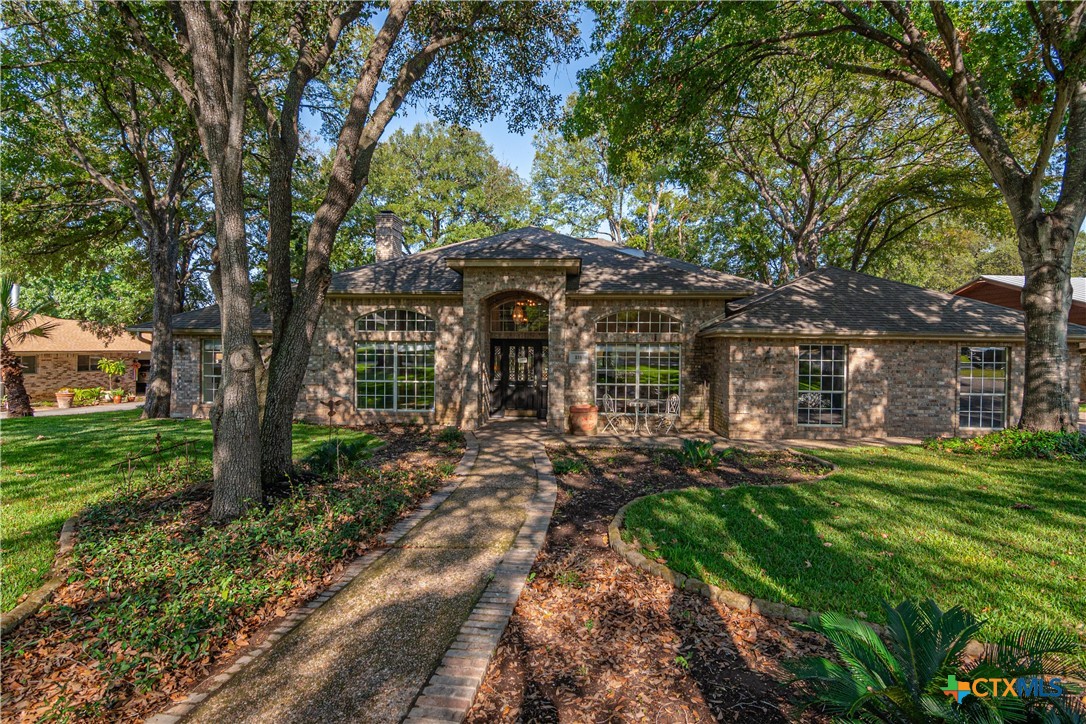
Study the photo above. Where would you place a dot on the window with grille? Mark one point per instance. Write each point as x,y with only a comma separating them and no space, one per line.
636,375
520,315
821,398
29,363
638,321
982,387
394,376
395,320
210,369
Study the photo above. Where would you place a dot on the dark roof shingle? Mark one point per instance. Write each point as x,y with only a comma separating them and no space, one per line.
836,302
206,318
604,268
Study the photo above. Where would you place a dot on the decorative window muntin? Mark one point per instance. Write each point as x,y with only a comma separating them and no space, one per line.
210,369
520,315
644,322
822,379
638,373
397,376
395,320
982,387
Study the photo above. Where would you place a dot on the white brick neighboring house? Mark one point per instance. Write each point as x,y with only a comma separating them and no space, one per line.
530,322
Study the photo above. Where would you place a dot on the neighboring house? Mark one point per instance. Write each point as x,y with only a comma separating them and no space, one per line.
1006,291
69,356
530,322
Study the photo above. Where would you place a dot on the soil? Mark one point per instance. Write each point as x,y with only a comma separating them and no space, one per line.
594,639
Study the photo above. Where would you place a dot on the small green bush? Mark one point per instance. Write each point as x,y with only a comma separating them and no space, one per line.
563,466
451,436
332,453
86,396
697,454
1017,444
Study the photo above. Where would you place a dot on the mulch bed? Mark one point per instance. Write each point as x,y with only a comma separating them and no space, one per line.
593,639
53,664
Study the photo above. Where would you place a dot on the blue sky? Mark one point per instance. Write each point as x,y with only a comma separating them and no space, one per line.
513,149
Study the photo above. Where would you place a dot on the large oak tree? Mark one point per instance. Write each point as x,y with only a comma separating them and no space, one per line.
1010,74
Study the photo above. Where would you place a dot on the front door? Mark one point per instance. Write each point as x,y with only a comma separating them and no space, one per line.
518,377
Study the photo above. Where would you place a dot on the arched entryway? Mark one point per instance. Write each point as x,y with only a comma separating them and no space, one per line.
519,355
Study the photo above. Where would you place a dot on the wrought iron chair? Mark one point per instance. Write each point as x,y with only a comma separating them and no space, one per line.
611,415
670,415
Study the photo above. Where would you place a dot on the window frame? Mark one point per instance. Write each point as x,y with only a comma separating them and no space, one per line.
204,375
798,406
1004,396
398,349
92,363
402,321
28,369
636,346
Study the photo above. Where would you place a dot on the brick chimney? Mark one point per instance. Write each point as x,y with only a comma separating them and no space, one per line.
388,235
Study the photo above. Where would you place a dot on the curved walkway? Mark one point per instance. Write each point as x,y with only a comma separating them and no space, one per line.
366,653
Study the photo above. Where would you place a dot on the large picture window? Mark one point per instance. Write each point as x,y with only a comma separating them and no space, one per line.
210,369
394,376
635,375
982,387
821,398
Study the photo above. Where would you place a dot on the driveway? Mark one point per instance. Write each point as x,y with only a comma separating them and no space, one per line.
88,410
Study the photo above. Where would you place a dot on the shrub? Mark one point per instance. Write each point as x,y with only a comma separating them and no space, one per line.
905,678
332,455
451,436
86,395
697,454
1014,443
563,466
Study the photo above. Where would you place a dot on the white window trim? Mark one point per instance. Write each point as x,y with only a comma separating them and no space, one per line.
395,372
844,391
958,385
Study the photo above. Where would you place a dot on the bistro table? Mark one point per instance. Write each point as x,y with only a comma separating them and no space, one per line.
642,410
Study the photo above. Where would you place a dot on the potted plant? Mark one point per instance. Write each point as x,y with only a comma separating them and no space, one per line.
583,417
117,395
65,395
115,369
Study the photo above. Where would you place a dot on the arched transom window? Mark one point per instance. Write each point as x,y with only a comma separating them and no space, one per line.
395,372
638,362
519,315
395,320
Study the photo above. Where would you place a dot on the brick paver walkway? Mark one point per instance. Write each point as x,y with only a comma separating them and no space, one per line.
367,652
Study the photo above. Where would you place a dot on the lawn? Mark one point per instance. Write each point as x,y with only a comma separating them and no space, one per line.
51,467
1004,538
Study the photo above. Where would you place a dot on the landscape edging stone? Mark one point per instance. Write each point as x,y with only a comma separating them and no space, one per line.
42,594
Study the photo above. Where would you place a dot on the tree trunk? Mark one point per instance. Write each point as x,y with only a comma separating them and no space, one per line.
14,388
236,413
163,258
1045,244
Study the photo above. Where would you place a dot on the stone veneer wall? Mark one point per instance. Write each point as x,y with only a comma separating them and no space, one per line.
894,389
59,369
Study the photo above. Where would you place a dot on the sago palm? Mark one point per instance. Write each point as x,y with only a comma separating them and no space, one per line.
15,326
903,679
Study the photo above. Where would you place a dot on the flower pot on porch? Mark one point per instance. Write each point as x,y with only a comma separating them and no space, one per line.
64,399
117,399
582,419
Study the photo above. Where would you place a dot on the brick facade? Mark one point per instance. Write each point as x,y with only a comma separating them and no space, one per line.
741,388
57,370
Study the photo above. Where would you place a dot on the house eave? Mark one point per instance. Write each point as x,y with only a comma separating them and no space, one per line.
569,264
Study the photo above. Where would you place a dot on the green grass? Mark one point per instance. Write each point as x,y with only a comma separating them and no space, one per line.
44,482
891,524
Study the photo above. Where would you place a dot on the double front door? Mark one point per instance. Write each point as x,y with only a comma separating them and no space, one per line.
518,377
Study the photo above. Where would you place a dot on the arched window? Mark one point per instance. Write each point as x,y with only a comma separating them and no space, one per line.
638,362
391,374
395,320
638,321
520,315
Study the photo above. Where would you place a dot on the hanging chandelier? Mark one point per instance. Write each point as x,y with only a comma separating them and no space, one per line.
519,317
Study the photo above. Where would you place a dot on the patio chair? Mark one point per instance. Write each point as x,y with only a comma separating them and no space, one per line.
611,415
670,415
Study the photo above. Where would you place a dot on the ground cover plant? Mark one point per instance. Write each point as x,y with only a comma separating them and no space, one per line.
1014,443
999,537
594,639
53,466
158,596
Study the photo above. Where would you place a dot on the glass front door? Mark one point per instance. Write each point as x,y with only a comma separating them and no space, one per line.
518,376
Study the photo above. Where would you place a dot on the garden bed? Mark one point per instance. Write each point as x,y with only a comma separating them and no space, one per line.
159,598
593,639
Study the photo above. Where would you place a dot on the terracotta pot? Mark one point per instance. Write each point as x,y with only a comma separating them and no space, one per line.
582,419
64,400
117,399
